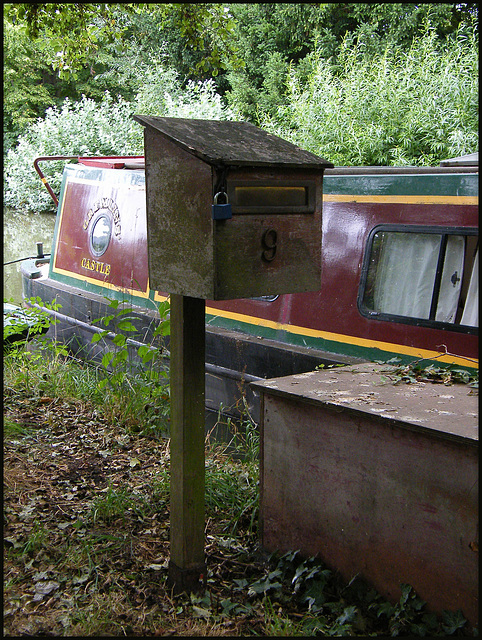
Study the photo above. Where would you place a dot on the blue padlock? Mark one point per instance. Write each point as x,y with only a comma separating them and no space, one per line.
221,211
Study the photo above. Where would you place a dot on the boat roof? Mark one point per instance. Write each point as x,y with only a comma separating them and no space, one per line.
229,142
468,160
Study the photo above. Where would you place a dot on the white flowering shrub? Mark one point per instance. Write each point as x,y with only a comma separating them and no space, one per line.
197,100
78,128
107,128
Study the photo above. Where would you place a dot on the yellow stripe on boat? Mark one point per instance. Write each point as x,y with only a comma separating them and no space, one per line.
458,200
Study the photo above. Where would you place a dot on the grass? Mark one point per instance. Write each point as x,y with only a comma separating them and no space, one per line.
86,513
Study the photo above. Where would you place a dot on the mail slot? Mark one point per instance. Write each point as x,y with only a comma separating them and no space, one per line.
289,197
232,211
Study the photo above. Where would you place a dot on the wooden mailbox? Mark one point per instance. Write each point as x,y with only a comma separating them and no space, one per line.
232,211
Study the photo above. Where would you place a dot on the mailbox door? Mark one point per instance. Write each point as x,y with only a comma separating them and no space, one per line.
262,252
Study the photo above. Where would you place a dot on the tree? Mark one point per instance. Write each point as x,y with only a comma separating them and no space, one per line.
393,107
25,95
30,84
77,31
74,31
54,51
276,37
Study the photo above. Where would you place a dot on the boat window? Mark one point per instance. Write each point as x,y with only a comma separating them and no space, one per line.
100,234
265,298
470,315
421,275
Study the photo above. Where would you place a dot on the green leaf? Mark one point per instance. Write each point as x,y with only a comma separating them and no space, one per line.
166,328
148,357
126,325
452,621
348,615
119,340
263,585
107,319
241,583
199,612
142,351
121,356
315,596
106,358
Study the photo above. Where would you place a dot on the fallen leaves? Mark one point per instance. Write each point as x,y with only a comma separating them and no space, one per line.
86,527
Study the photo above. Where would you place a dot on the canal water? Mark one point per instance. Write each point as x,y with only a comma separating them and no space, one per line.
21,232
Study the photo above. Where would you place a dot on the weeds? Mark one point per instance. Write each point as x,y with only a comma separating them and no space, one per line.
114,505
135,397
142,381
20,325
34,542
12,429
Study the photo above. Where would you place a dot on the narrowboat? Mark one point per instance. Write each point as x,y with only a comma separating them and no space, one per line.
399,275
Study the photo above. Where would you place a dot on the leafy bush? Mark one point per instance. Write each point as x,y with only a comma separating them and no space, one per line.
77,128
413,107
22,324
25,94
161,95
271,37
102,128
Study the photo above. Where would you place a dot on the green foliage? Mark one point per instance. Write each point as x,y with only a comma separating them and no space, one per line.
334,608
232,493
161,94
35,363
106,128
360,84
270,36
418,371
20,325
199,39
56,51
412,107
12,429
35,541
115,504
135,396
136,385
31,85
399,24
74,31
408,617
293,32
81,128
25,95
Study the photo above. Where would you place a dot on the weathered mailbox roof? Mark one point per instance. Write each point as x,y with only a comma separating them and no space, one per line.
226,142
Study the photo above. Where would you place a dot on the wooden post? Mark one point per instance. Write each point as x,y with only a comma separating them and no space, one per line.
187,569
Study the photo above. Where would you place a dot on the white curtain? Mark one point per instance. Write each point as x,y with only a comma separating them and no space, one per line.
406,274
451,283
470,315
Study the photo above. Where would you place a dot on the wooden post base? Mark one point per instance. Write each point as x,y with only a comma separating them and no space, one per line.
190,580
187,561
